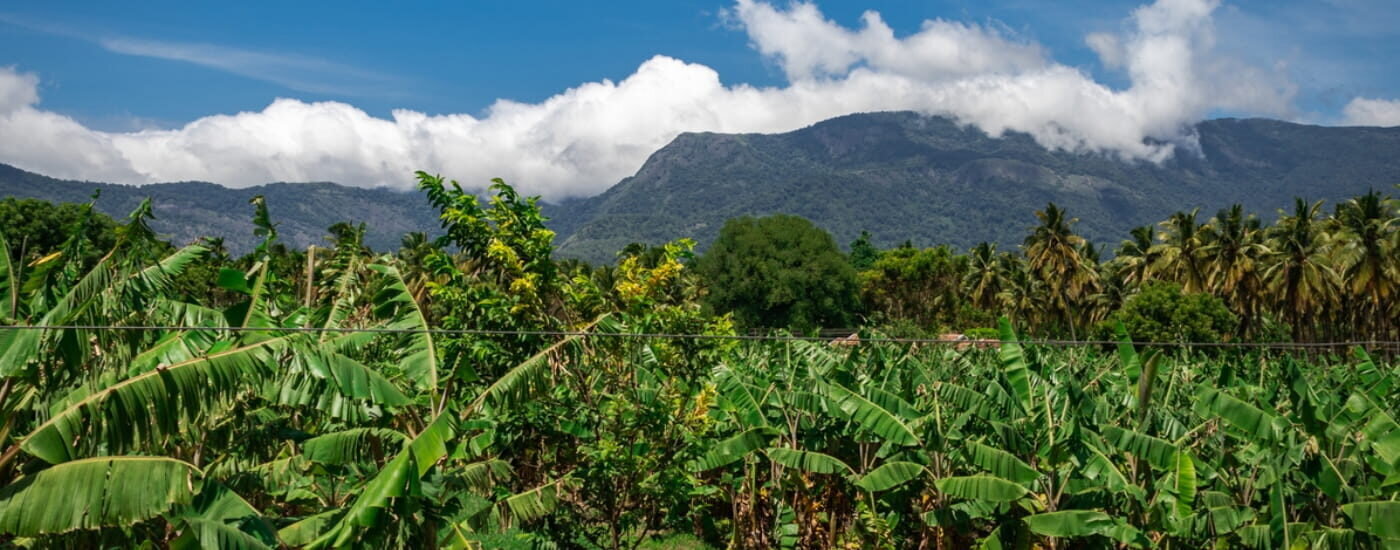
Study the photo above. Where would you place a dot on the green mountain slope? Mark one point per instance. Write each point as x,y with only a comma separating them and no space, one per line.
906,176
901,176
186,211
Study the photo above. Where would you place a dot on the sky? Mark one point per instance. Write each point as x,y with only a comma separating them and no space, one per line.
563,99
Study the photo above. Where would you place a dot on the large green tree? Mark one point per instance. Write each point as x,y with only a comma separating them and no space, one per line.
37,228
779,271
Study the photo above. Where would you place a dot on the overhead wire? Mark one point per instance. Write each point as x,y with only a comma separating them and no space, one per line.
736,337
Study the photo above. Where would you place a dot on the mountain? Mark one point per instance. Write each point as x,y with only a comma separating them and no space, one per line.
900,175
904,176
186,211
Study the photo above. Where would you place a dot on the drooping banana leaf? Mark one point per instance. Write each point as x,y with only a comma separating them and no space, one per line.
397,479
981,487
350,446
1069,523
874,418
1000,463
808,461
394,300
107,491
153,404
889,475
1379,518
733,449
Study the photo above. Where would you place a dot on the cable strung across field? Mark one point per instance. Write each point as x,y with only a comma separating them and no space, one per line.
743,337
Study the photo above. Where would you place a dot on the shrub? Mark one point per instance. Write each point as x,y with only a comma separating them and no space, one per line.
1162,313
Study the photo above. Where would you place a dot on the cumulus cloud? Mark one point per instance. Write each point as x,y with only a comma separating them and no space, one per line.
808,45
1372,112
584,139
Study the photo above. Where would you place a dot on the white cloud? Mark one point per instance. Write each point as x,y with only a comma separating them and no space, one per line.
808,45
301,73
17,91
584,139
1106,46
1372,112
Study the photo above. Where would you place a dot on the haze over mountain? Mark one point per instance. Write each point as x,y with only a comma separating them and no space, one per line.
900,175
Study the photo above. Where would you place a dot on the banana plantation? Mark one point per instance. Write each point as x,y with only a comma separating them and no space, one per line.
473,392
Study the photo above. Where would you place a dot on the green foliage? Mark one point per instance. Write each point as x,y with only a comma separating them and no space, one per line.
40,228
1162,313
863,252
558,418
95,492
779,271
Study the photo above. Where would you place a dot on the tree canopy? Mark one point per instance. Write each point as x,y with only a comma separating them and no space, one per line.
779,271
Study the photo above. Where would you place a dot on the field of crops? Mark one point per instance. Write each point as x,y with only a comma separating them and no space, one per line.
477,393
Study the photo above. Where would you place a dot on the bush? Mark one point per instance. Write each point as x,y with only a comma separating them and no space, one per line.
982,333
1162,313
779,271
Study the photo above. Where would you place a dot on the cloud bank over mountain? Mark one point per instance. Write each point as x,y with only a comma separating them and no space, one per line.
1372,112
584,139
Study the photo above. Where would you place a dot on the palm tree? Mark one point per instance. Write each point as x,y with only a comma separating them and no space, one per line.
1135,257
1234,253
1179,255
1054,254
985,277
1299,276
1022,294
1366,250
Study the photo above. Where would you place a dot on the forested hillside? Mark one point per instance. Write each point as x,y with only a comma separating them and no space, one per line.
187,211
904,176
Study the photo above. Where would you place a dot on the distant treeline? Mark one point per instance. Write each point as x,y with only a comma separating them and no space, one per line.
1316,273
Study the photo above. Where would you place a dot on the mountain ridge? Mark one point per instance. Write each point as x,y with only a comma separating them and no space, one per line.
902,176
186,211
905,176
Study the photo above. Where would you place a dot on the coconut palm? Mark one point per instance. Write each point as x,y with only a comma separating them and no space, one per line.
985,277
1179,256
1299,277
1368,258
1135,257
1054,254
1234,254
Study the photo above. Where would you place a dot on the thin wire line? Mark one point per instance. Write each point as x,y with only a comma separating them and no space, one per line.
676,336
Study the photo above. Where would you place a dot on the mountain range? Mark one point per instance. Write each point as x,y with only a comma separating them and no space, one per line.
904,176
186,211
901,176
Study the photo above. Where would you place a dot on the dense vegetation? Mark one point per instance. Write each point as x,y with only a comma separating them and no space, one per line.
294,398
1307,277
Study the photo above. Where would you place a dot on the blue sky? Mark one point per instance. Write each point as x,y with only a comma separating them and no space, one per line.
113,67
460,56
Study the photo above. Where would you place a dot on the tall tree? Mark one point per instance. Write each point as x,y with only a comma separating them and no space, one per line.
1299,276
1180,256
1234,254
1369,258
1054,254
985,277
779,271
